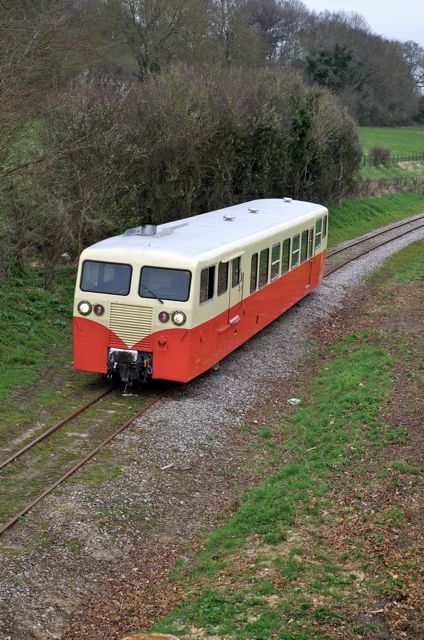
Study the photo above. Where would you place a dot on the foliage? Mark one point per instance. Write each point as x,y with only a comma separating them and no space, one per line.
120,109
379,156
187,141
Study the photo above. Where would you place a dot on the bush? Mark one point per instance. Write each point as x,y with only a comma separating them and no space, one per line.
379,156
181,142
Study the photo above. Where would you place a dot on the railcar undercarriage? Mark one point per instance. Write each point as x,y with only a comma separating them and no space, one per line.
129,364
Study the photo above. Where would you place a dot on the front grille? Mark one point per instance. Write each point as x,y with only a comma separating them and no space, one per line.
131,324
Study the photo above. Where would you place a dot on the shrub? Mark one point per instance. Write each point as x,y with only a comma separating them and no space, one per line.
379,156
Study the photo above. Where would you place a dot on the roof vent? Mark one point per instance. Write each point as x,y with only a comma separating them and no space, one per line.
147,229
228,218
253,210
287,200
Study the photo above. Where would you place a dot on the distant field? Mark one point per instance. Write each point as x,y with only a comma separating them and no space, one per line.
399,140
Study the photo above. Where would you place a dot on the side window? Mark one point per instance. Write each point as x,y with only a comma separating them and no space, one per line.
304,246
275,261
263,267
235,272
295,254
254,273
222,278
318,233
207,280
285,260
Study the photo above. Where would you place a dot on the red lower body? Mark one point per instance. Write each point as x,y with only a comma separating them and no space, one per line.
181,354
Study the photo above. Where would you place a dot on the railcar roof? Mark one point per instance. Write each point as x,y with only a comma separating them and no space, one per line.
201,234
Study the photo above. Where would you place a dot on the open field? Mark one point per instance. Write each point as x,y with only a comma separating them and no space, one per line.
399,140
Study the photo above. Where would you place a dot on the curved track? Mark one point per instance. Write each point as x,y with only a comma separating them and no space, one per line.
350,251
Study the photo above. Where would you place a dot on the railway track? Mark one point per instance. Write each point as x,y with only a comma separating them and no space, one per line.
12,477
336,259
350,251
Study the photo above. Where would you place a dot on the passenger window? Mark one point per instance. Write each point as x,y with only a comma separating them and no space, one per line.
263,267
304,246
235,272
318,233
222,278
254,273
324,231
295,251
275,261
207,281
285,260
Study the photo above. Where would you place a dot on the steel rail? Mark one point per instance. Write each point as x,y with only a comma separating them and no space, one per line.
373,248
375,234
54,428
78,465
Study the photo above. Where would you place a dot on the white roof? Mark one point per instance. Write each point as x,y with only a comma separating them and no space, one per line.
203,234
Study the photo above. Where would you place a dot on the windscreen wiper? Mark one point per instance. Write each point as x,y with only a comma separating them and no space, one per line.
152,292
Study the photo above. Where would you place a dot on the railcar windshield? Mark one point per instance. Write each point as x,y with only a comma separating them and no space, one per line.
170,284
106,277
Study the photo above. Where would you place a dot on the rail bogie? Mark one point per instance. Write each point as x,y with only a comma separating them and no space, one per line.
170,302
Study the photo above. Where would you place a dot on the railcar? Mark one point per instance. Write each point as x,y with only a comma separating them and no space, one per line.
170,301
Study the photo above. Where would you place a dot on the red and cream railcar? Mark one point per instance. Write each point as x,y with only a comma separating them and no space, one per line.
169,302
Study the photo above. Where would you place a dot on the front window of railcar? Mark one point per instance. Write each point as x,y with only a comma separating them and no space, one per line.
169,284
106,277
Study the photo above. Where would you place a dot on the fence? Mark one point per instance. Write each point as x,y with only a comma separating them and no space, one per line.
392,159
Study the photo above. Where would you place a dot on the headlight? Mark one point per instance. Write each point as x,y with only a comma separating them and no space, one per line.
98,309
179,318
84,307
163,316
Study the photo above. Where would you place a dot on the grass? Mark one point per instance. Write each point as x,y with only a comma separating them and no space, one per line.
399,140
278,568
360,216
34,326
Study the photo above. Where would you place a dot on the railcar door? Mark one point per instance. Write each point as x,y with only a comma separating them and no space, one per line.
235,289
311,253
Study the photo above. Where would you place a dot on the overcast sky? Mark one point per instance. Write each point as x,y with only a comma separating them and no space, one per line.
393,19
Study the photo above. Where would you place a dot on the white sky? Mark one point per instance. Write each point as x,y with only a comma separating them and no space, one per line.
393,19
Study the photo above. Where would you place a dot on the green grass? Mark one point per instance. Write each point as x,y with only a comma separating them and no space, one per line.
342,408
399,140
319,440
360,216
35,328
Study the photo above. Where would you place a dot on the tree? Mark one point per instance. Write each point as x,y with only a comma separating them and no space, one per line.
158,32
414,55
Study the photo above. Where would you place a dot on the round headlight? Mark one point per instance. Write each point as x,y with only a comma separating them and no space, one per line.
163,316
84,307
98,309
179,318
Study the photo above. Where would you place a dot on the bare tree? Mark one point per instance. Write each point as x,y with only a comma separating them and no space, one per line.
414,55
159,32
